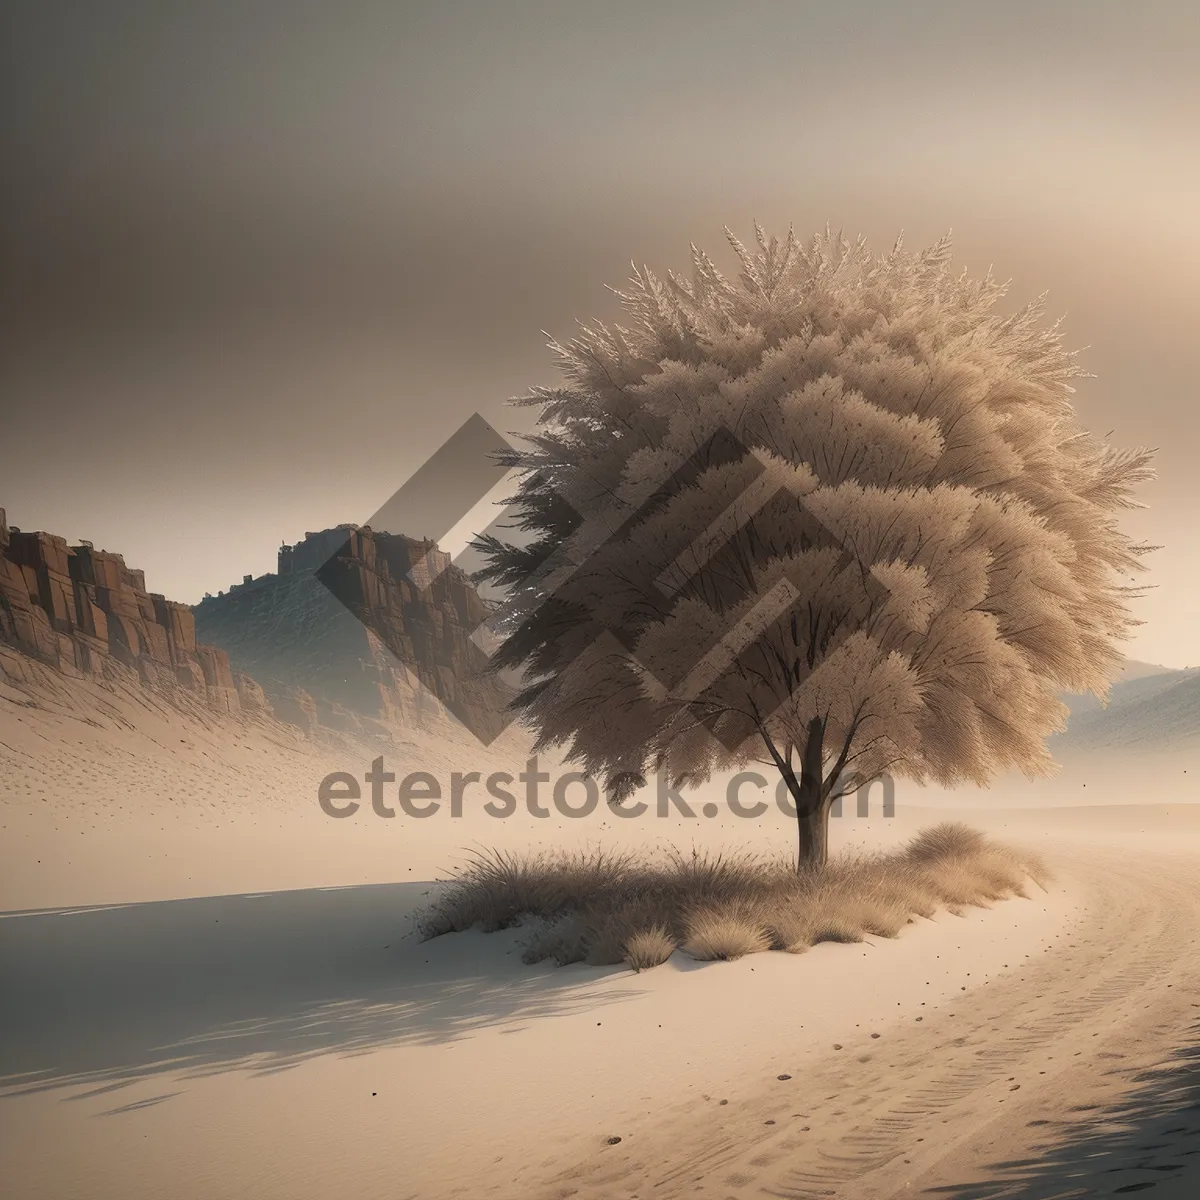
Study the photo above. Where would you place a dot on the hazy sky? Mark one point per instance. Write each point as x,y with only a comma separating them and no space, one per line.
262,260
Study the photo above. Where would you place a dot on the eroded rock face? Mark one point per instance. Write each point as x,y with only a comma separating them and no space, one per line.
84,612
356,633
365,626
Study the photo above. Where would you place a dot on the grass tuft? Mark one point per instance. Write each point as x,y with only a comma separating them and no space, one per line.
727,932
649,948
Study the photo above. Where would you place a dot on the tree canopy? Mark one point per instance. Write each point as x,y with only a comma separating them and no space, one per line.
840,510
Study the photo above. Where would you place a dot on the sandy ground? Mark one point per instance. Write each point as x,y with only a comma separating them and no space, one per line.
212,990
1071,1072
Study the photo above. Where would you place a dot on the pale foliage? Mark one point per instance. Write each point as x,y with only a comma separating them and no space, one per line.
842,493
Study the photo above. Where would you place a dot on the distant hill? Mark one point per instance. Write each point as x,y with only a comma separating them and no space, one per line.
1148,708
1139,670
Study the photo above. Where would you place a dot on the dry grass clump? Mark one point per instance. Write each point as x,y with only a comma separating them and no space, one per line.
610,926
603,908
726,932
560,939
962,866
947,840
497,888
650,948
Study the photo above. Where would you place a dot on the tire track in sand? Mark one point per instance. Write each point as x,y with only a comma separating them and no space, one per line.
1077,1022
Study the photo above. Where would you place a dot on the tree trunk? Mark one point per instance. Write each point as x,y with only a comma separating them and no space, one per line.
812,804
814,836
811,794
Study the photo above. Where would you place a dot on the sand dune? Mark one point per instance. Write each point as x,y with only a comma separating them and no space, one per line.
213,990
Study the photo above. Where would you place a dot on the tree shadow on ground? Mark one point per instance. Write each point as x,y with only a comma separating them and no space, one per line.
104,996
1149,1142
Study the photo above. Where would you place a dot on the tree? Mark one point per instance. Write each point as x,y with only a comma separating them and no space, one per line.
840,511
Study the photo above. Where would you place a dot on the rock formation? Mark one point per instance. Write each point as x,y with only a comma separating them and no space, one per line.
82,611
360,628
356,633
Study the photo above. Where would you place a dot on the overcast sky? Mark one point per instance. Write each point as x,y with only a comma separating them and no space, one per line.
260,261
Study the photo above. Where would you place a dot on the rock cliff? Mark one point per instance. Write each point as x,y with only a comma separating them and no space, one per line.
357,632
83,612
360,627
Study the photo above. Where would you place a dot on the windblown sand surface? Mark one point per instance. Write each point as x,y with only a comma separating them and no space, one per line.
221,996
